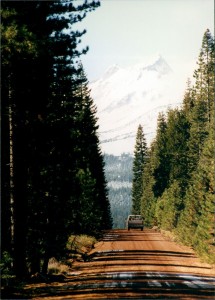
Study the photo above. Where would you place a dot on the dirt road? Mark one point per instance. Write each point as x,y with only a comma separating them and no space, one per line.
136,265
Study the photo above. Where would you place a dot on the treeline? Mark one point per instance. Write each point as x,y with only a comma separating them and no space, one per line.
178,174
118,172
52,167
120,201
118,168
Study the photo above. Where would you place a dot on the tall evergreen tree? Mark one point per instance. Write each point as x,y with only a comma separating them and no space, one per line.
161,170
201,114
196,224
148,199
140,153
203,240
177,135
21,106
39,82
90,157
169,206
204,75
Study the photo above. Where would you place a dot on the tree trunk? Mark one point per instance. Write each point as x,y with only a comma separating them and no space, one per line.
35,261
20,201
45,263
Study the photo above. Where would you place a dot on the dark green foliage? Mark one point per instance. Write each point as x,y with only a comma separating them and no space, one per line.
177,134
156,173
52,186
204,75
5,266
201,115
196,224
148,199
169,206
178,179
170,203
140,153
21,106
161,162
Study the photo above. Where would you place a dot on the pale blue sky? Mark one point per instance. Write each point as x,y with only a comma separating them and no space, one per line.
129,31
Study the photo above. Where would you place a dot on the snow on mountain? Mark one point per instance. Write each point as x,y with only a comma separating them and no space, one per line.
127,97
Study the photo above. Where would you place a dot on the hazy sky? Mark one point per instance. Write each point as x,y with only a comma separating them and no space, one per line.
130,31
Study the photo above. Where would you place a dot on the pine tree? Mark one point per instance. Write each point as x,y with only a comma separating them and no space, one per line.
161,170
196,224
89,151
201,115
39,66
178,176
169,206
20,54
204,75
198,134
203,240
148,200
177,135
140,153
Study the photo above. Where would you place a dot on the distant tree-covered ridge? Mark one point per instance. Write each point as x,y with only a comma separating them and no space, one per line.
52,167
118,172
178,178
117,168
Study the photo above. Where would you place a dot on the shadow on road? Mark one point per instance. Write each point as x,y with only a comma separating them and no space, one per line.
128,285
130,274
126,258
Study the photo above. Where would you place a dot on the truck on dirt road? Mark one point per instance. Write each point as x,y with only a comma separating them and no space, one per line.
134,221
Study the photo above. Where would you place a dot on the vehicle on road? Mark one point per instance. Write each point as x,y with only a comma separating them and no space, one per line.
134,221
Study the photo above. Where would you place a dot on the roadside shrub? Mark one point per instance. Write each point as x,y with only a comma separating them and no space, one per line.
55,267
6,268
80,243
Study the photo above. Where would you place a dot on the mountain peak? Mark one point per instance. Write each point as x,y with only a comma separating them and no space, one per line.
128,96
155,64
159,65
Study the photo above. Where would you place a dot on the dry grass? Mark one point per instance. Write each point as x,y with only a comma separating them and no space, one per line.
80,243
56,267
78,246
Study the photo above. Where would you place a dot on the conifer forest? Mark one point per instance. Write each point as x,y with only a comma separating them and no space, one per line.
54,182
53,169
176,191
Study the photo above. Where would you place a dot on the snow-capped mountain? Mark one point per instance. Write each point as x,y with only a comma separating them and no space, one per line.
127,97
